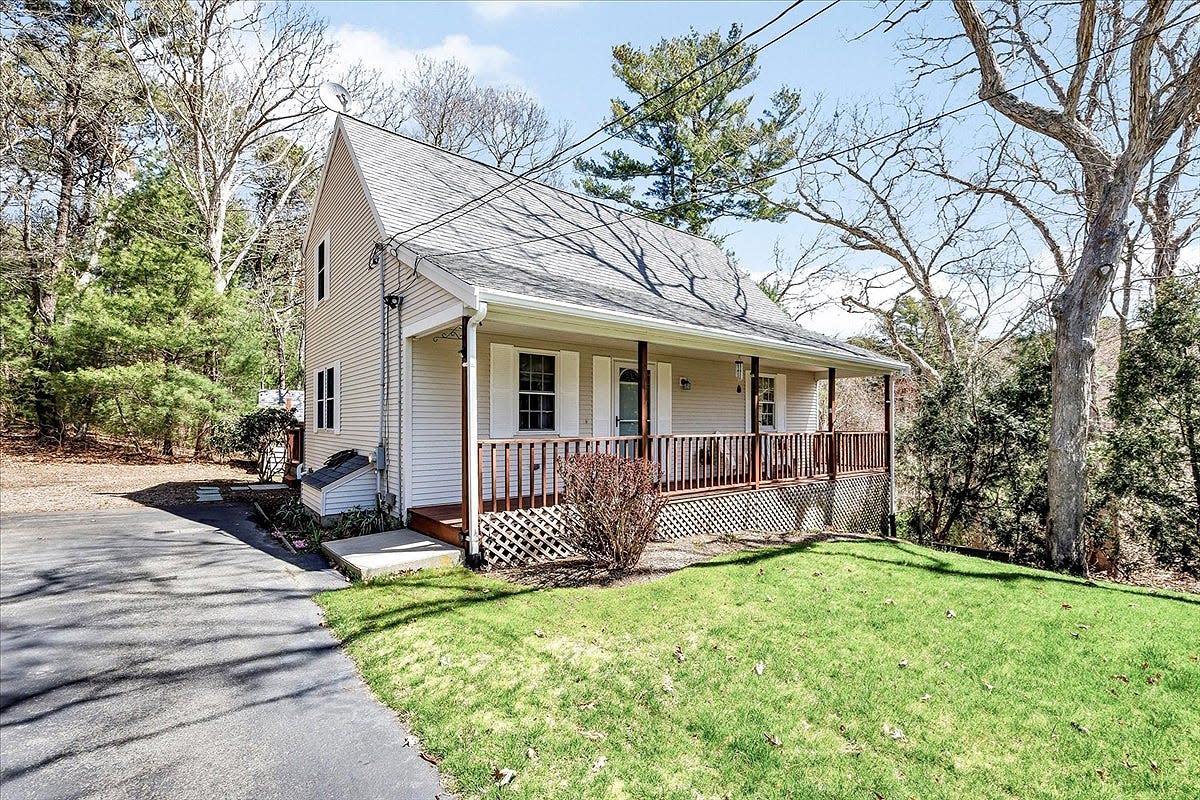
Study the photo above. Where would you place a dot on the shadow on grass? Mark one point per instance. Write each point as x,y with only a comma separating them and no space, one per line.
989,570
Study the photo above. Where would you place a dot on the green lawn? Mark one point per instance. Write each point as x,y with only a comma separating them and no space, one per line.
1036,686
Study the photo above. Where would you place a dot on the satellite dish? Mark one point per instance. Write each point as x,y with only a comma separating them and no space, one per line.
335,97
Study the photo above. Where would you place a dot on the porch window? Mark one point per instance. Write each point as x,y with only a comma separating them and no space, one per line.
326,398
766,402
535,393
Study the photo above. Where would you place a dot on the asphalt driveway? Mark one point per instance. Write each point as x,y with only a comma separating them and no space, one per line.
147,654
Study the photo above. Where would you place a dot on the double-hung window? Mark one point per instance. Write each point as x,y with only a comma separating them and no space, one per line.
766,402
327,398
535,393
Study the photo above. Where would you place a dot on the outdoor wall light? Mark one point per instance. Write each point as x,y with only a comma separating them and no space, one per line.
685,384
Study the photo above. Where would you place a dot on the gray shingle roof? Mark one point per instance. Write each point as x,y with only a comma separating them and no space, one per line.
633,265
320,478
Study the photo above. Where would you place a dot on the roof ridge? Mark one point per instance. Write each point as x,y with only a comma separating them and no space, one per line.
525,180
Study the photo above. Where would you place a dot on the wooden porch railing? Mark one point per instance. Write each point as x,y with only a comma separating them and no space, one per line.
523,473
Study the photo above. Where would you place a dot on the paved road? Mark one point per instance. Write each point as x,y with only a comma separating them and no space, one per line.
146,654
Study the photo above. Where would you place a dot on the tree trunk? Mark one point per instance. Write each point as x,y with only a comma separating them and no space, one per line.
1077,313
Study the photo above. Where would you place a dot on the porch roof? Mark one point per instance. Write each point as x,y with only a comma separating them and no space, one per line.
572,253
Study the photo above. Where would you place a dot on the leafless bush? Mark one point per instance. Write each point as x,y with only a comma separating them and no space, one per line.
612,506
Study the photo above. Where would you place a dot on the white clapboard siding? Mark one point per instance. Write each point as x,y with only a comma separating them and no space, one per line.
356,490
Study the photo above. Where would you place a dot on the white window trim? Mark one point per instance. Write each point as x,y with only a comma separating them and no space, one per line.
538,434
336,427
317,299
750,405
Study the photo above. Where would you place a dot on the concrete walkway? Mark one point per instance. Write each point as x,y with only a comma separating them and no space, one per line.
148,654
390,552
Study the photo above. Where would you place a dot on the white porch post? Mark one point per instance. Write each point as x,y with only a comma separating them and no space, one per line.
473,489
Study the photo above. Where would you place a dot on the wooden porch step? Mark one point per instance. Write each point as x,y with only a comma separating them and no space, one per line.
441,522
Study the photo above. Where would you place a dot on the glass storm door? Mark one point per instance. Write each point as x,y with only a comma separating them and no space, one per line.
627,401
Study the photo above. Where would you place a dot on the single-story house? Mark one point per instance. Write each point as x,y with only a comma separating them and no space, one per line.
455,350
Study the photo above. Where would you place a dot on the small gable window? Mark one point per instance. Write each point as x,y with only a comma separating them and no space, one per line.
321,277
535,393
327,398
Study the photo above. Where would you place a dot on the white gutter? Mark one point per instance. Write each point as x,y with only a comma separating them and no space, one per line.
763,343
470,351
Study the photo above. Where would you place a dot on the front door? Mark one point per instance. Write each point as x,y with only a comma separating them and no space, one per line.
626,400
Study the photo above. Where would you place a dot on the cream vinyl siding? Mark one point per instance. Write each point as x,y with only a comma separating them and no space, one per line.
801,412
357,490
343,329
435,403
420,364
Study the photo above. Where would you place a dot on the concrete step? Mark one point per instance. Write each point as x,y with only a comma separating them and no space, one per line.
390,553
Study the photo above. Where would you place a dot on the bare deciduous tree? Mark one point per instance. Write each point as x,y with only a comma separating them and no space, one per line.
225,78
1159,96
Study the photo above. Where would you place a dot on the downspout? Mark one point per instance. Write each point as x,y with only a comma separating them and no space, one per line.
470,350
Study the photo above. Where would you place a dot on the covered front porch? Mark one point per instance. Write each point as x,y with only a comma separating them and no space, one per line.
646,399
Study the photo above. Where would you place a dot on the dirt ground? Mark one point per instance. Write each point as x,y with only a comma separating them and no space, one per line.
34,478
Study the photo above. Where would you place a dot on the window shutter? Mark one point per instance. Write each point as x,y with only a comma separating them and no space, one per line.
602,410
336,374
781,402
502,391
567,400
664,385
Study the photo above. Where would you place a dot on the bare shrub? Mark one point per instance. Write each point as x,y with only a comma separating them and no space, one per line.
612,506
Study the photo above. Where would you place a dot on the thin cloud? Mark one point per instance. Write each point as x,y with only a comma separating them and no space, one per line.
489,63
495,10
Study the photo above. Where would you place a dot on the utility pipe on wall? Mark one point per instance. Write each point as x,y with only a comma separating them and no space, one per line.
471,448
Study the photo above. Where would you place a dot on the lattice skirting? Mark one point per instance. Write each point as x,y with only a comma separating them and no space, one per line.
854,503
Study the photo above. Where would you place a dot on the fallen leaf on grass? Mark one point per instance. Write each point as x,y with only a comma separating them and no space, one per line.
851,749
893,732
903,663
950,614
1079,726
668,684
679,656
599,763
1066,605
1154,766
759,667
926,698
889,602
538,632
531,754
1103,773
588,706
444,661
773,740
504,776
592,736
411,741
1121,678
1153,679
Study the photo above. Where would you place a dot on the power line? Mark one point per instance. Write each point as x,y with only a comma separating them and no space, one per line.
553,160
824,157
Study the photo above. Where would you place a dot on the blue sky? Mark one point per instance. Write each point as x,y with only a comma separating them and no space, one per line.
562,53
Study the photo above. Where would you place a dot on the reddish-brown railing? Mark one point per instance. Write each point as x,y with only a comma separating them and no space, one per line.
523,473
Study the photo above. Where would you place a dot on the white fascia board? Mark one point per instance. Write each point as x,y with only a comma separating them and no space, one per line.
624,324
